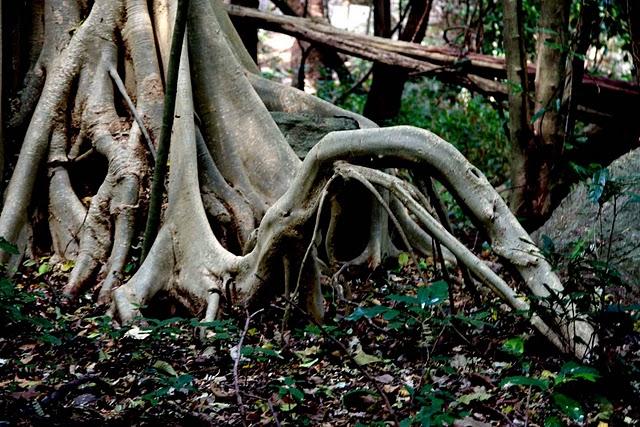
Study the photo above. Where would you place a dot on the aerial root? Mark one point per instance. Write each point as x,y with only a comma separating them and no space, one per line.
281,233
468,185
479,269
66,211
187,258
100,237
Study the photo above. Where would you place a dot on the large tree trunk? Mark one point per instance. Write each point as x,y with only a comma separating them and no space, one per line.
243,211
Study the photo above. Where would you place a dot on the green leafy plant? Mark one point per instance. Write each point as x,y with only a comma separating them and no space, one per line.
169,383
551,386
290,394
410,310
12,302
434,407
260,353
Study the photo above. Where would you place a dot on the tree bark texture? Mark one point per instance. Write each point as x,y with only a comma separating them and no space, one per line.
548,129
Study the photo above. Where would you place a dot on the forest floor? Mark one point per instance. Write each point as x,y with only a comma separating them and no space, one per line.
394,339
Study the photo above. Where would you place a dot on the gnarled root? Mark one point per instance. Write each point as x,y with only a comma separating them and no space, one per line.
84,57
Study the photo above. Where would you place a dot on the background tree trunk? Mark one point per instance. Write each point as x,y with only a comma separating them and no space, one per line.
518,86
248,32
387,85
548,128
633,13
329,57
537,156
306,58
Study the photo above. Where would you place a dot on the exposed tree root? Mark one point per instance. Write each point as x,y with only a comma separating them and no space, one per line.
243,217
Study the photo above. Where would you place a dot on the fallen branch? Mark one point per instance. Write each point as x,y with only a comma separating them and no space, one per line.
599,97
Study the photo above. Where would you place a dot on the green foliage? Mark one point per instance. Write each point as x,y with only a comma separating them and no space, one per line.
12,302
552,386
332,91
514,346
434,407
8,247
572,371
592,281
493,24
168,383
467,121
597,185
289,393
15,306
414,310
260,353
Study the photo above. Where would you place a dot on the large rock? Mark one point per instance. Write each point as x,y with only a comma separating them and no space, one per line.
303,131
579,217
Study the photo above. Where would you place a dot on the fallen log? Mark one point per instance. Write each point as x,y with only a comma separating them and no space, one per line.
599,100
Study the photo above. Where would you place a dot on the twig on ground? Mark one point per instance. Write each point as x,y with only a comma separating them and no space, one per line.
236,365
347,353
269,403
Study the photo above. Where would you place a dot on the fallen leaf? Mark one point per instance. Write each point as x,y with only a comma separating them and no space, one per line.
384,379
26,359
165,367
469,422
362,358
137,334
479,393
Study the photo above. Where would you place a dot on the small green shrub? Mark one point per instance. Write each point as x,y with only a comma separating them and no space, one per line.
465,120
